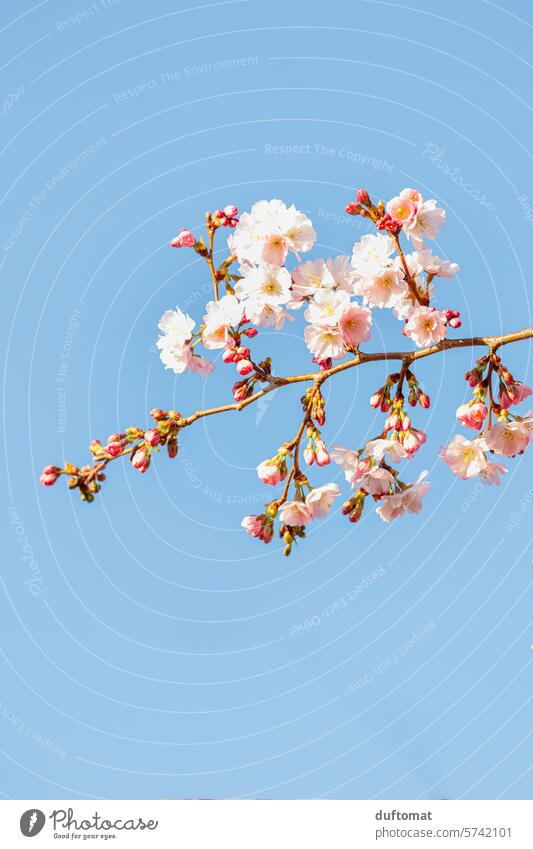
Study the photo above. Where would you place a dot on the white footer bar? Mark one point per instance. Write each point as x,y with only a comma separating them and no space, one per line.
268,824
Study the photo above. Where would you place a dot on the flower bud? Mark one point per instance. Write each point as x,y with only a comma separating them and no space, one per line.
141,460
356,513
363,197
114,448
229,355
230,211
309,455
352,208
172,447
348,506
185,239
158,414
152,437
376,399
244,367
424,400
393,421
240,390
388,223
405,420
455,323
322,456
385,405
250,332
49,475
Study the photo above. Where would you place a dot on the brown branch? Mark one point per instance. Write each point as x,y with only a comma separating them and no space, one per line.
413,288
407,357
88,476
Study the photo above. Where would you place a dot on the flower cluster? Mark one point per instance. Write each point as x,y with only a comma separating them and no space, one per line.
507,434
262,283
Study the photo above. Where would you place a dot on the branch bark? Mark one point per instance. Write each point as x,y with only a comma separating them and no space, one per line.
407,357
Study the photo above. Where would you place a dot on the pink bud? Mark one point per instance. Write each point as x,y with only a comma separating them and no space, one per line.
355,515
309,455
244,367
231,211
50,475
229,355
385,405
352,208
424,400
250,332
158,414
240,389
114,448
393,421
455,323
141,461
363,197
322,456
185,239
152,437
376,399
387,222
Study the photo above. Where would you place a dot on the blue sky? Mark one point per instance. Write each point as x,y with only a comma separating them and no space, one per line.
167,654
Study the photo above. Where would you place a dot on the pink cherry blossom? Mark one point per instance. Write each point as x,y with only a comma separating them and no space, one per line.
319,500
401,209
271,472
200,365
324,341
513,393
472,415
412,439
378,448
349,460
377,481
259,527
509,438
354,325
426,326
294,513
184,239
491,474
465,458
412,194
252,525
407,501
426,223
391,507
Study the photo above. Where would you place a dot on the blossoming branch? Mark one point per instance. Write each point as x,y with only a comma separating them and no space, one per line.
253,288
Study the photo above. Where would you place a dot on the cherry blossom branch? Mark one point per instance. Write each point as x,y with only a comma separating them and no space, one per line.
260,294
493,342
